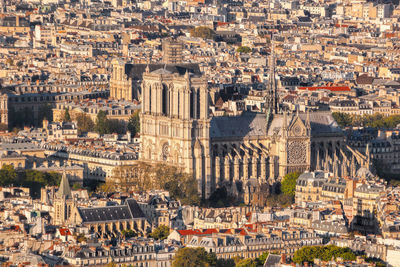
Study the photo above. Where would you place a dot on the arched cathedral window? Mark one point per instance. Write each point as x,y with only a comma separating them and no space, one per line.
191,104
198,104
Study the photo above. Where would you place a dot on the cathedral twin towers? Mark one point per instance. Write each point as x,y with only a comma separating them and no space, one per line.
251,149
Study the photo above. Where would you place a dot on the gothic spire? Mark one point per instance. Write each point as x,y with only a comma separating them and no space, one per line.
64,190
272,90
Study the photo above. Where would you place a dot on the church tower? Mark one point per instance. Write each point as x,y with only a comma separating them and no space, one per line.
175,122
63,202
120,83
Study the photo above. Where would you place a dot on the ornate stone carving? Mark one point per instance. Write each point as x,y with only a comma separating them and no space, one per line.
297,152
165,151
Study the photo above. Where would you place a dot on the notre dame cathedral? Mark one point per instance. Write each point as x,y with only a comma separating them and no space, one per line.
241,152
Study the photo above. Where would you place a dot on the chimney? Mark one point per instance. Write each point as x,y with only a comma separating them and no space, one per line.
283,258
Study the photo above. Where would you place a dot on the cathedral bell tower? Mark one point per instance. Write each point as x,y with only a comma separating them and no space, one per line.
174,119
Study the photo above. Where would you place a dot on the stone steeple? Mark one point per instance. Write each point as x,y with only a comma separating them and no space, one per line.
272,89
64,191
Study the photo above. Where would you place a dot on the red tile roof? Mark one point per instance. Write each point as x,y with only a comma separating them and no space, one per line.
65,232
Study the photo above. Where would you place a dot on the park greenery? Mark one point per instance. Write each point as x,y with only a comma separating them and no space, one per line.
160,233
285,192
32,179
243,49
144,176
202,32
375,121
325,253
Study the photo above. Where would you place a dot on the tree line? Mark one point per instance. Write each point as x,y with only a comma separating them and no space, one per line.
33,179
144,176
102,124
375,121
284,192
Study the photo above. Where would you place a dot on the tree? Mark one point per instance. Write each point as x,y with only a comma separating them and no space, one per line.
160,233
76,186
66,117
202,32
191,257
134,123
115,126
325,253
342,119
128,233
244,49
8,175
288,185
36,180
84,123
247,263
144,176
102,125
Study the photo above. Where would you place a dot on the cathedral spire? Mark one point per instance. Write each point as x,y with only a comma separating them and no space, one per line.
272,91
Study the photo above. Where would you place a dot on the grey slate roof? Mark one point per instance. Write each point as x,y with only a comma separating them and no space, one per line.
247,124
129,211
255,124
272,260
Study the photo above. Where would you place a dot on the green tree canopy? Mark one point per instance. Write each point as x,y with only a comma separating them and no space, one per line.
66,116
101,123
134,123
244,49
8,175
198,257
128,233
84,123
288,185
325,253
202,32
375,121
160,233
